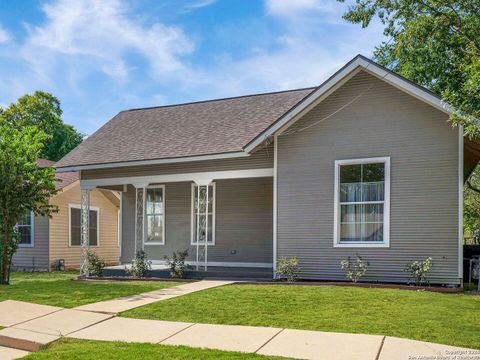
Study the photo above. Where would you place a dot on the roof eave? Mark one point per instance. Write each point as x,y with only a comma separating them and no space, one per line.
110,165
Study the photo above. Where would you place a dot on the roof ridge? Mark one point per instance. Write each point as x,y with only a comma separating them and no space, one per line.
221,99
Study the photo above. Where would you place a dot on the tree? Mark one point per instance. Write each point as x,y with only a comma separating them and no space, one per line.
435,43
471,208
24,186
43,111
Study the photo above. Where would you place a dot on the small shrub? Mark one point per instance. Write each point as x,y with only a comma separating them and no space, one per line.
354,269
177,264
418,271
288,268
95,264
140,265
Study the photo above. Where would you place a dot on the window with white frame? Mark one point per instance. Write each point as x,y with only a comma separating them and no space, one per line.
155,215
209,216
25,230
76,226
362,190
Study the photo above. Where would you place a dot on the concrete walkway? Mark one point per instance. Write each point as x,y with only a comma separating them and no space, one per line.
130,302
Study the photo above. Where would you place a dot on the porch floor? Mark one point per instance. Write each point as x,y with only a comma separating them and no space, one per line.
213,272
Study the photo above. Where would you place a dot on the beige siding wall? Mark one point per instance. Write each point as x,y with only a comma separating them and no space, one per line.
36,257
59,228
424,182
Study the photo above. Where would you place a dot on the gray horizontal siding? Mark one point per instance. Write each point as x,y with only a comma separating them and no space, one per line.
243,222
262,158
36,257
424,182
128,225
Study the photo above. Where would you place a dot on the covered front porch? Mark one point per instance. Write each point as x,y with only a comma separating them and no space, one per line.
213,272
223,219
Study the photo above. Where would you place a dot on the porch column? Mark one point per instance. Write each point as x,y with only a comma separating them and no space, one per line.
202,225
139,216
84,229
202,203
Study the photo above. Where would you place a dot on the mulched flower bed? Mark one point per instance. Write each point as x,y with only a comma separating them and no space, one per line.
438,289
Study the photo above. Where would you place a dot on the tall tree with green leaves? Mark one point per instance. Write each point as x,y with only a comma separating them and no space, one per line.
43,111
24,186
435,43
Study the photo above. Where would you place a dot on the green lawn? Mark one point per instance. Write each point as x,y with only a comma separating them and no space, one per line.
59,289
90,350
442,318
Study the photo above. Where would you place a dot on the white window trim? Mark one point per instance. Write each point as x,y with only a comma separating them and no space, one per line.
77,206
386,207
32,232
145,242
192,212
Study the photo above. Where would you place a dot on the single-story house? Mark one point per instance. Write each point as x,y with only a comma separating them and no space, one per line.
44,241
366,163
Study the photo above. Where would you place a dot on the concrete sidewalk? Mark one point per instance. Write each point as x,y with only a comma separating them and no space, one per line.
300,344
49,324
130,302
11,354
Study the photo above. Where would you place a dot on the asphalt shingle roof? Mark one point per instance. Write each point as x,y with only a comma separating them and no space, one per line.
192,129
63,179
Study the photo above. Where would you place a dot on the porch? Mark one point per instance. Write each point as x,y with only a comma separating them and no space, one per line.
213,272
223,219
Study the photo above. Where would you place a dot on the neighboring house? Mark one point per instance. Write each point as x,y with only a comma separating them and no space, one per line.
43,241
367,163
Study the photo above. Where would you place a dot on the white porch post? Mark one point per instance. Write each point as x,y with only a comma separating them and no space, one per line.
84,230
202,203
139,216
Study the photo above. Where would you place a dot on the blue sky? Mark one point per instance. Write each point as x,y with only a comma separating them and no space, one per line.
103,56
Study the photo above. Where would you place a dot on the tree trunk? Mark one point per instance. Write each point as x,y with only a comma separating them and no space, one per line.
5,268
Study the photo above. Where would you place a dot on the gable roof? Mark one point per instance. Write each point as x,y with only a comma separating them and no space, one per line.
186,130
64,178
43,163
220,128
358,63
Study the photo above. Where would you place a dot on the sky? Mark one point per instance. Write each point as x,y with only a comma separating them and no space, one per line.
100,57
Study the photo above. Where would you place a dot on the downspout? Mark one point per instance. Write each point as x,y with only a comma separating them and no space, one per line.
460,205
275,184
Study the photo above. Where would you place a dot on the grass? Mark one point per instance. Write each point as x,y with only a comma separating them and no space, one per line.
441,318
90,350
58,289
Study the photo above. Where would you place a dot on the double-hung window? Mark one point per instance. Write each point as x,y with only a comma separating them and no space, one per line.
155,215
25,230
76,226
206,219
362,191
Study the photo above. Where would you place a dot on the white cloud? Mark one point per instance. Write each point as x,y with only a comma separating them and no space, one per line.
200,4
102,33
290,8
312,43
4,35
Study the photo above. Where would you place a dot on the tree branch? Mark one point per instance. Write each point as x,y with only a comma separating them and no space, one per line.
473,188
